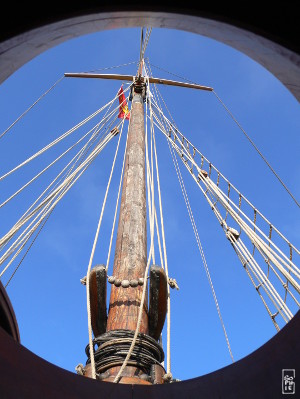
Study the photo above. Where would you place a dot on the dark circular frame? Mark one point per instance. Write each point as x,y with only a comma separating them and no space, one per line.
269,35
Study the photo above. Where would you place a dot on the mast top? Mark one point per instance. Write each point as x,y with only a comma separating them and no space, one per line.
132,78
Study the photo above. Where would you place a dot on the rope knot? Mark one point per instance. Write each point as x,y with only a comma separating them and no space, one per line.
83,280
80,369
168,378
173,283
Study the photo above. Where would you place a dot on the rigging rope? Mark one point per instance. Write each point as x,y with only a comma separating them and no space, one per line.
244,132
56,191
91,260
189,209
258,151
268,249
79,155
63,136
54,198
29,108
165,263
200,249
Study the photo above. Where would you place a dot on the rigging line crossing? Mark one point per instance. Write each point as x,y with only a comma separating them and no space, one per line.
45,169
68,185
200,248
60,138
29,108
36,226
55,193
237,217
171,125
244,263
249,260
221,222
176,132
28,249
211,204
102,140
265,283
258,151
246,135
254,233
199,243
91,346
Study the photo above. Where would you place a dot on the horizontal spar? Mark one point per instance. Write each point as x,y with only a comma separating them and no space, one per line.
131,78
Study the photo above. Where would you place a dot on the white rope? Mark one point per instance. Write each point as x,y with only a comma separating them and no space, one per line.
163,241
59,195
258,151
283,258
177,132
253,235
44,170
117,204
201,250
21,221
91,261
29,108
60,138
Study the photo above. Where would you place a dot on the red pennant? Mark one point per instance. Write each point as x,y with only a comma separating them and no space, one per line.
123,110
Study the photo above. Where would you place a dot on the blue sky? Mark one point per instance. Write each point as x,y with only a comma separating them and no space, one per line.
49,301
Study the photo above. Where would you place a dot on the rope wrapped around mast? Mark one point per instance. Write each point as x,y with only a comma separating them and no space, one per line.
113,347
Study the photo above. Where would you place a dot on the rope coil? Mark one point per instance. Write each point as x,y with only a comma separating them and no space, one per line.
113,347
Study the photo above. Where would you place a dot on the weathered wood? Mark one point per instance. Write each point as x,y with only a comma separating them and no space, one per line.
98,284
158,297
131,78
131,244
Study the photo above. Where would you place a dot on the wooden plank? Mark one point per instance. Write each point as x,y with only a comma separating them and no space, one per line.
98,299
130,78
179,84
158,297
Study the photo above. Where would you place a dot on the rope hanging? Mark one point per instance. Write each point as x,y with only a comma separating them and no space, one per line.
213,193
29,108
199,246
165,263
47,201
243,131
91,261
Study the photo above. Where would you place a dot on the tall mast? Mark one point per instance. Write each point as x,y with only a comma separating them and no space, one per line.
131,245
114,332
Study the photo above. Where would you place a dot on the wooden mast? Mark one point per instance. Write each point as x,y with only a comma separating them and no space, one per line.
130,263
131,245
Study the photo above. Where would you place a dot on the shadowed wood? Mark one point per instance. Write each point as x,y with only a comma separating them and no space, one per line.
98,299
158,296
